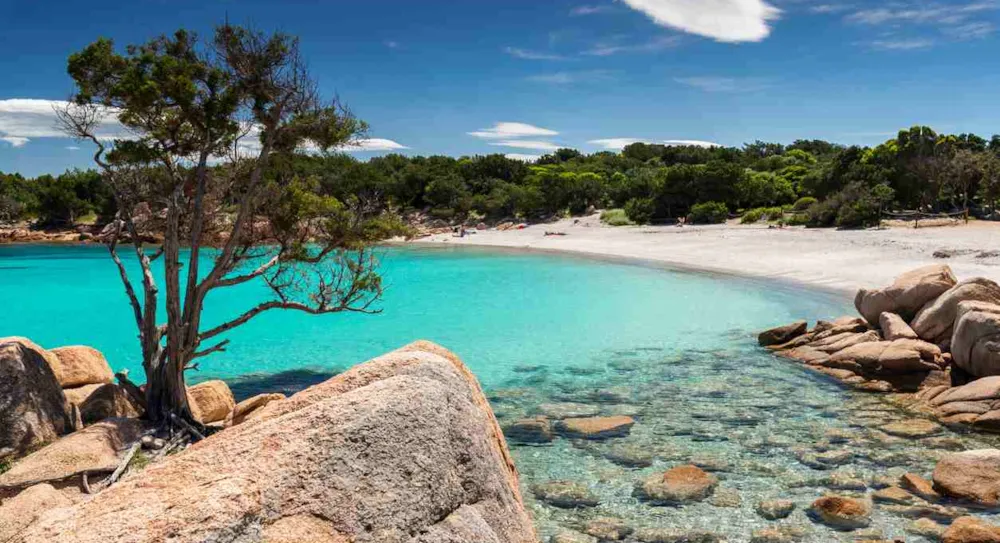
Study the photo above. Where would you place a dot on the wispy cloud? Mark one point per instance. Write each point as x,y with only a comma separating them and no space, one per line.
724,84
830,8
391,44
902,44
532,55
509,130
565,78
589,10
72,148
536,145
729,21
603,49
919,25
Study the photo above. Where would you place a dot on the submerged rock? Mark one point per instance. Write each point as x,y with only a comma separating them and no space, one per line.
595,427
434,468
677,486
971,475
566,494
907,294
841,512
926,527
79,365
676,535
894,495
536,430
567,536
567,410
912,428
33,409
919,486
775,509
971,530
607,529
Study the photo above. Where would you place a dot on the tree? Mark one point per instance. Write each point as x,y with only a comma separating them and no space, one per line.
962,174
245,103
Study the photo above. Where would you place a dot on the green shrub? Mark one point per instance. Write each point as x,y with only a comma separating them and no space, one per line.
803,203
774,213
709,213
443,213
616,217
640,210
752,216
798,219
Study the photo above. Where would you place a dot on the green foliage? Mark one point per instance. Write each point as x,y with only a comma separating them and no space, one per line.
616,217
640,210
752,216
709,213
803,203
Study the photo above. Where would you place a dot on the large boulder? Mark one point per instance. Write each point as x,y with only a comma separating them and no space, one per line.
33,409
79,365
22,510
936,321
93,450
104,402
907,294
975,343
894,327
211,401
888,357
244,408
403,448
782,334
970,475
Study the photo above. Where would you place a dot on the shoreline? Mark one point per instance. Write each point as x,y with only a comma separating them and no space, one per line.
836,262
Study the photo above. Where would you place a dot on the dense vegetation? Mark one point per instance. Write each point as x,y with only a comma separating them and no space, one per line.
809,182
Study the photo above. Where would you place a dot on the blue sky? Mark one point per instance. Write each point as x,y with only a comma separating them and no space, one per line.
524,76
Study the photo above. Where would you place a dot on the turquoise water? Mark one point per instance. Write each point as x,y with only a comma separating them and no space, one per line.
498,311
674,350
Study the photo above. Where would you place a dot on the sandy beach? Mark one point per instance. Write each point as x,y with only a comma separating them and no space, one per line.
840,260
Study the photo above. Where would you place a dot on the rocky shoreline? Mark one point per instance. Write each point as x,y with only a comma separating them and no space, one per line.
323,465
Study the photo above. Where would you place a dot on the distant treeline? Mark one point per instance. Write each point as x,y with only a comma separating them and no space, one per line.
809,182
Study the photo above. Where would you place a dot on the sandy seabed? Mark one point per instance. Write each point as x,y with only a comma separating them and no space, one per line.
840,260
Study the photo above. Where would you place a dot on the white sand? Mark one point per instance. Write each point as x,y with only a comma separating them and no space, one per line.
842,260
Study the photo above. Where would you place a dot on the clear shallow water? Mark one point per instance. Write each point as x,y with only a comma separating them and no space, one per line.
675,350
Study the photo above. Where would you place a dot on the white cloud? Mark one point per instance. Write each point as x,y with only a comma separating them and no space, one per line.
729,21
922,13
589,10
724,84
566,78
24,119
392,44
829,8
372,144
532,55
616,144
688,143
14,141
905,44
537,145
523,158
607,49
508,130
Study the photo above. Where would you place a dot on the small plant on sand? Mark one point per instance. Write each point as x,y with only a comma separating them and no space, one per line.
5,466
752,216
616,217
